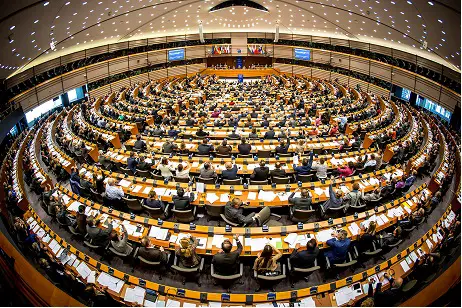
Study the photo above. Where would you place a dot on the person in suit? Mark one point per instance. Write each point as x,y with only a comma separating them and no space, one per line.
207,171
153,201
340,245
388,297
151,253
120,242
142,164
260,173
104,161
169,147
244,148
270,134
182,202
139,144
278,171
335,199
230,172
132,162
204,148
201,132
85,184
234,135
226,262
302,258
253,134
300,203
99,237
392,238
283,147
81,220
305,168
368,235
234,213
224,148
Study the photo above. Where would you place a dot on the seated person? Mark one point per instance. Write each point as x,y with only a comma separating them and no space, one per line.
224,148
335,199
226,262
234,135
305,168
183,149
139,144
230,173
132,162
278,171
142,164
169,147
166,168
204,148
244,148
234,213
410,180
186,252
302,258
340,245
182,202
182,171
283,147
300,203
153,201
267,263
201,133
99,236
260,173
392,238
270,134
367,236
120,242
112,191
253,134
346,170
208,171
151,253
81,220
372,196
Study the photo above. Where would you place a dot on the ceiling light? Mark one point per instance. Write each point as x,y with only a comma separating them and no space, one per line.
429,2
46,3
12,27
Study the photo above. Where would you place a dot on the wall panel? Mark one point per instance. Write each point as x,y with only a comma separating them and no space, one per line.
97,71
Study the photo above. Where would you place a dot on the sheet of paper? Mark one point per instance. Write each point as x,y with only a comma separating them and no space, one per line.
200,187
124,183
354,229
404,266
307,302
224,197
92,277
211,197
251,195
83,270
146,190
137,188
135,295
172,303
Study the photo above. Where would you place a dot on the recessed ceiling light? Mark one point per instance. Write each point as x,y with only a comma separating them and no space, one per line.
12,27
36,21
429,2
46,3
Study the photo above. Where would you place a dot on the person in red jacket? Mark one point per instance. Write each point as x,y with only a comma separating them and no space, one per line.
347,170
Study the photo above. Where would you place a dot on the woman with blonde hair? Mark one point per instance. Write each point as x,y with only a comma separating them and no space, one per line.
186,252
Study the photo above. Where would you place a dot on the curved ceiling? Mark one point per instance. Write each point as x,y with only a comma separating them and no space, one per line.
28,26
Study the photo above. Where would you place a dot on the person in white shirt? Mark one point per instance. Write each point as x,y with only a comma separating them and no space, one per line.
371,162
165,168
182,171
113,192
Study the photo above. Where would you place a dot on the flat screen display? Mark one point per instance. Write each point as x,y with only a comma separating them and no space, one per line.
302,54
176,54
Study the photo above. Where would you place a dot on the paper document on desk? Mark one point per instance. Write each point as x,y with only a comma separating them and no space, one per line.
146,190
172,303
92,277
429,243
53,244
217,240
324,236
135,295
318,191
31,219
41,233
257,244
137,188
224,198
124,183
283,196
200,187
83,270
267,196
291,239
251,195
344,189
354,229
74,207
160,191
404,266
307,302
66,199
211,197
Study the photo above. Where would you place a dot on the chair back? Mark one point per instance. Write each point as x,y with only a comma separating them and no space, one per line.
264,153
128,147
232,182
133,204
253,182
264,214
278,180
302,215
184,216
305,178
126,171
181,180
223,155
143,173
156,177
244,156
285,154
96,196
153,212
214,210
229,222
205,181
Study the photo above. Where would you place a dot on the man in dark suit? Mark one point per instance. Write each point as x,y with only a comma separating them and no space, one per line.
283,147
234,213
182,202
300,203
230,173
278,171
265,122
226,261
204,148
270,134
81,220
234,135
388,297
150,253
142,164
132,162
244,148
254,114
139,144
305,258
260,173
99,236
104,161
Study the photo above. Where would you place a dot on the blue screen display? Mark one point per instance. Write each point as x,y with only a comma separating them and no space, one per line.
302,54
176,54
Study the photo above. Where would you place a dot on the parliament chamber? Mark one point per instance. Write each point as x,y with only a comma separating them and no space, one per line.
239,168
